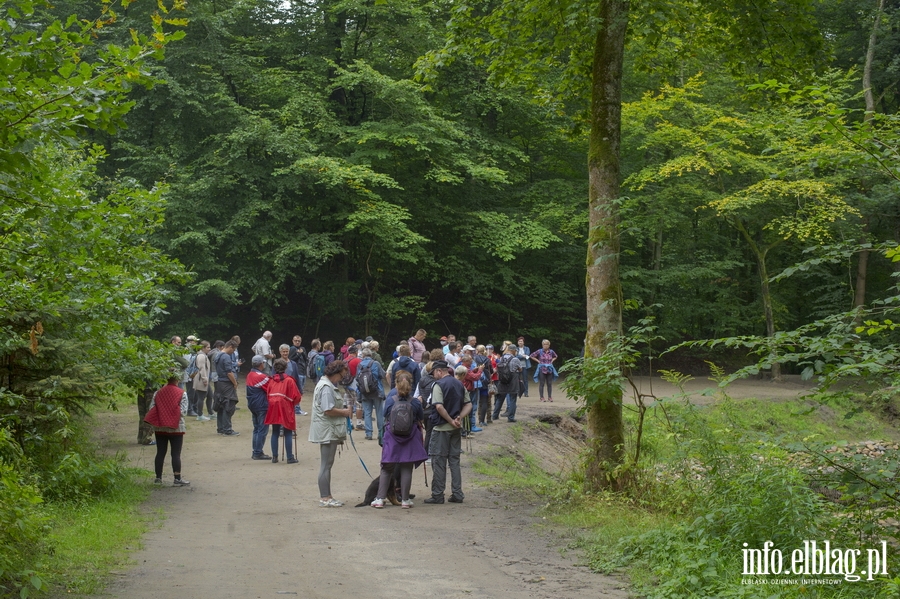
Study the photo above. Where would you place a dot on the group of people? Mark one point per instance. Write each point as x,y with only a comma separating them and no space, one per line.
424,402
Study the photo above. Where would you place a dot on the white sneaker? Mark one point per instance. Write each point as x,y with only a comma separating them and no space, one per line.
203,418
378,503
406,504
302,413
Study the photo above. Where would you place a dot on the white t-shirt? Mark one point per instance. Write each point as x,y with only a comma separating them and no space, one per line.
262,348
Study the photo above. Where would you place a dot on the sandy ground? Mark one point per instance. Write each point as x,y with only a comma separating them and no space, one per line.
702,390
248,528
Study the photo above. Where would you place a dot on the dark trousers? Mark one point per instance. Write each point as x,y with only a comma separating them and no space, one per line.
428,426
197,403
189,388
145,431
162,446
384,482
484,408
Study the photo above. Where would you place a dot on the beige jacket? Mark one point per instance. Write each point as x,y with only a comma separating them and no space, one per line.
201,379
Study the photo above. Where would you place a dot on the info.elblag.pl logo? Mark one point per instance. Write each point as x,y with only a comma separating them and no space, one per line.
814,558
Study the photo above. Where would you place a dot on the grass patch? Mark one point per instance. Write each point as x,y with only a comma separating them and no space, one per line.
830,419
90,539
522,473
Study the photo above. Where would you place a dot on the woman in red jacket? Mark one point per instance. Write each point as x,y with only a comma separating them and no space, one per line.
283,395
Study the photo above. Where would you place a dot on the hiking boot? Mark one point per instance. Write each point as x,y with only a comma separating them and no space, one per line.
261,456
434,500
231,433
475,429
455,499
377,503
293,461
157,481
180,482
275,459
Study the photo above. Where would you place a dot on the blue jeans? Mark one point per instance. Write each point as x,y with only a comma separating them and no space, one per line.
473,397
288,441
260,431
511,406
368,405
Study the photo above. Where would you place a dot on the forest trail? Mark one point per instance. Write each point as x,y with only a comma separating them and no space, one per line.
254,529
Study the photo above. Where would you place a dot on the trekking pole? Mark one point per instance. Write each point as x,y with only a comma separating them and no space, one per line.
425,470
284,441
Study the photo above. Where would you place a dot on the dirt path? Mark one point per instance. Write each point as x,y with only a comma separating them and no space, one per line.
248,528
254,529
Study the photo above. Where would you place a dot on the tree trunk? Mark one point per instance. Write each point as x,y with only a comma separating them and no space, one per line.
862,269
604,292
765,292
862,266
767,305
870,58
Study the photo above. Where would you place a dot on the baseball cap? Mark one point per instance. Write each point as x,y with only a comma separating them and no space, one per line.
257,360
468,348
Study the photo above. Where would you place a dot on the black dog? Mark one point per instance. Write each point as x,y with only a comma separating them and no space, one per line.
393,494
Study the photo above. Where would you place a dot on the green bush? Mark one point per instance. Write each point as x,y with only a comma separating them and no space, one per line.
22,530
752,502
79,477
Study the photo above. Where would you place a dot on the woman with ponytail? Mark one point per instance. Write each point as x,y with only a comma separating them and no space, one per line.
403,452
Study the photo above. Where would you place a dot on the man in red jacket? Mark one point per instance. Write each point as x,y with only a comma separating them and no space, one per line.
258,404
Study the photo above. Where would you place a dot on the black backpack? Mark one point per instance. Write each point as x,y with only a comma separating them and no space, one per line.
311,364
504,374
403,418
366,381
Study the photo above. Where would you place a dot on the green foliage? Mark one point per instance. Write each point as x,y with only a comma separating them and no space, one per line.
81,280
79,478
23,527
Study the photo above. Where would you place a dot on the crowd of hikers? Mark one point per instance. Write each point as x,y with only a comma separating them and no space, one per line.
418,406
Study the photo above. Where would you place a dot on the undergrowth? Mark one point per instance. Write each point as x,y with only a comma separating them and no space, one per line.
65,517
712,478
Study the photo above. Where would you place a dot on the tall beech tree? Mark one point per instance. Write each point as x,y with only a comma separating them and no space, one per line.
572,52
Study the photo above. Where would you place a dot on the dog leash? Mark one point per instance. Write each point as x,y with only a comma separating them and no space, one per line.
353,444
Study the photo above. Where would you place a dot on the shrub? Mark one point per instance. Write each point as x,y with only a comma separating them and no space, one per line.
22,529
79,477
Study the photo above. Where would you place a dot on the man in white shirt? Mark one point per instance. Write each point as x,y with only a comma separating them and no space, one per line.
264,349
